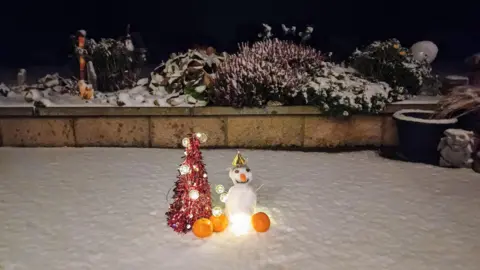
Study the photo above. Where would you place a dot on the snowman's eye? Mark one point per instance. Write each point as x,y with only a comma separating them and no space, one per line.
236,171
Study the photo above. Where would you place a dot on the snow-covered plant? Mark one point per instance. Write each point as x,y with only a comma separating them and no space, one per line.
113,64
190,73
116,63
388,61
266,33
341,91
270,70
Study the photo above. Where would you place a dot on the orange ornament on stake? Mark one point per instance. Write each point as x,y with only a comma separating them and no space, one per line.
220,223
260,222
202,228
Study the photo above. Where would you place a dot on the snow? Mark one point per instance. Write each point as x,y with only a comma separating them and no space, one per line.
456,77
420,99
103,208
402,115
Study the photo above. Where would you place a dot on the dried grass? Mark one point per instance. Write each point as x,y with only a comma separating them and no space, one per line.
460,101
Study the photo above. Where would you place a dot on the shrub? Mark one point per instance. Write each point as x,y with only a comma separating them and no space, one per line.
190,73
116,63
388,61
291,74
341,91
269,70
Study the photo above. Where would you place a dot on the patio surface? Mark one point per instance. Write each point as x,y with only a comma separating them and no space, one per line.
103,208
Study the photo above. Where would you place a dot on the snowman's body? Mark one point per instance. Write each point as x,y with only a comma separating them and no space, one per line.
241,198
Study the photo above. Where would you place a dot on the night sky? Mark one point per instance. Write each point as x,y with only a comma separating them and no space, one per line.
37,32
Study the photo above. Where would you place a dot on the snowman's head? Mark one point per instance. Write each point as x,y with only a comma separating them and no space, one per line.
240,175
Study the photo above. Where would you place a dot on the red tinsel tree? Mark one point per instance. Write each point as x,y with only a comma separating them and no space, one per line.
192,198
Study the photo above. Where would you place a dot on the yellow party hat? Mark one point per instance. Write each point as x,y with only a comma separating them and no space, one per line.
239,160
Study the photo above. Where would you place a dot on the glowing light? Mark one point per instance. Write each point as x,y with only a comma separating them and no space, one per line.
184,169
217,211
193,194
219,189
195,167
186,142
202,137
240,224
223,197
205,175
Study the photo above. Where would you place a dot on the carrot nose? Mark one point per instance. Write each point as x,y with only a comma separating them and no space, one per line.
243,177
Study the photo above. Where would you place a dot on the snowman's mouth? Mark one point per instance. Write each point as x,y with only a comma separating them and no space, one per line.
239,182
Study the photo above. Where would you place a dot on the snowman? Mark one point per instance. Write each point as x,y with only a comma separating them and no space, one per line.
241,198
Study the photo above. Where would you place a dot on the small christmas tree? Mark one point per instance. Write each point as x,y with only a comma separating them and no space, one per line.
192,198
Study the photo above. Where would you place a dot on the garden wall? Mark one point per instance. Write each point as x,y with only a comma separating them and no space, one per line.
273,127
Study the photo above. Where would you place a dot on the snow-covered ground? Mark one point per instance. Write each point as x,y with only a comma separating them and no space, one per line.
94,208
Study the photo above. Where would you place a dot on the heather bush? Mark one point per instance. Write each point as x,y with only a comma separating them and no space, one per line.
269,70
388,61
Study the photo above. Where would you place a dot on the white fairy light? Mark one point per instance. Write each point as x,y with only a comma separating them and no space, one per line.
223,197
202,137
186,142
219,189
205,175
217,211
193,194
184,169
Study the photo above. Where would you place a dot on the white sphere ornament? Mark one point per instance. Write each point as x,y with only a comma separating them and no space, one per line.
219,189
186,142
424,50
217,211
193,194
223,197
184,169
202,137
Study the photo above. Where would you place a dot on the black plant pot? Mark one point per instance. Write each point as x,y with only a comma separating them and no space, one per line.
419,135
470,121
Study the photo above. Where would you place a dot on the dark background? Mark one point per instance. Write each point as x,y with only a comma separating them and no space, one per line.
37,32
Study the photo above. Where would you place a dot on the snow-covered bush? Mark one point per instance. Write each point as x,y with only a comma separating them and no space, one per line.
274,71
269,70
388,61
190,73
341,91
113,64
116,63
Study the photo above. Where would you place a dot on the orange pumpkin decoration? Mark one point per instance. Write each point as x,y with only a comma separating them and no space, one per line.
202,228
220,223
260,222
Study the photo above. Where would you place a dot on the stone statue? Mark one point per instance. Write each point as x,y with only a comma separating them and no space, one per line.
456,148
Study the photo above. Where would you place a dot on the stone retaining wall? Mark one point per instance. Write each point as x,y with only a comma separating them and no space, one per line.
273,127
